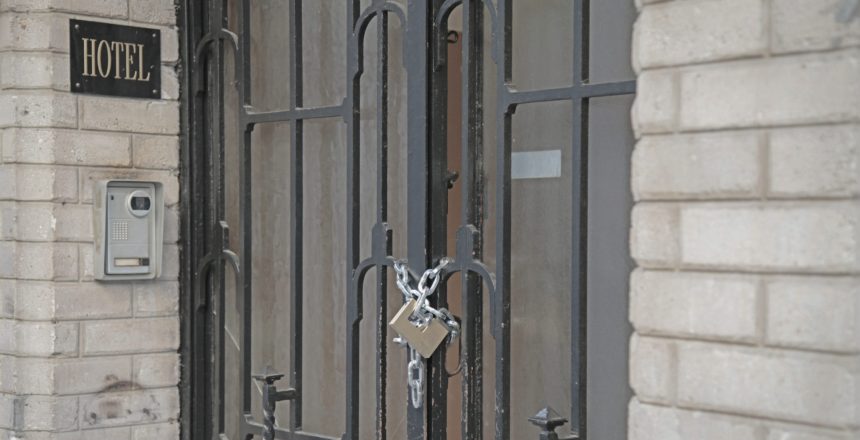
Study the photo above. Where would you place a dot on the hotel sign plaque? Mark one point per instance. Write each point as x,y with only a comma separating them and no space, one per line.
115,60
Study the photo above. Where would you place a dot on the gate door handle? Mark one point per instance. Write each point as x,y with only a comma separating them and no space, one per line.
271,397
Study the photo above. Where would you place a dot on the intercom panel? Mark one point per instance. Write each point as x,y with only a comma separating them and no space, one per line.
129,229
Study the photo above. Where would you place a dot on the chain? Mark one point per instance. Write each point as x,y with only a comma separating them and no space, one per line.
423,311
415,377
421,315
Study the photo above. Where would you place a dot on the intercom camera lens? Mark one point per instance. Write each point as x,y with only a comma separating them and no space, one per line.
140,203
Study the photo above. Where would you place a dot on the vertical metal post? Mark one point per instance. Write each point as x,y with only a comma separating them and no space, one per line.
352,115
426,186
502,326
297,213
192,19
214,138
437,199
579,220
246,205
419,242
204,163
381,216
471,169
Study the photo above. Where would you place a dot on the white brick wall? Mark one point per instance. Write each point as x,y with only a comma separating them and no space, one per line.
81,359
817,389
800,25
753,93
795,306
683,167
684,32
815,162
648,421
672,304
746,228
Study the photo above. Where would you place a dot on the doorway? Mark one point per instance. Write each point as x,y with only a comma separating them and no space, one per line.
330,139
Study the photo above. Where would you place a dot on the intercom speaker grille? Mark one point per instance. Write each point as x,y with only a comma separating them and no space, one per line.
119,230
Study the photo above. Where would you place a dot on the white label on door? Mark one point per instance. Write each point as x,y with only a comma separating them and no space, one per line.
543,164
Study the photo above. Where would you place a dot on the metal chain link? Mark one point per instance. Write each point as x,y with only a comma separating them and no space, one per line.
415,376
424,312
421,315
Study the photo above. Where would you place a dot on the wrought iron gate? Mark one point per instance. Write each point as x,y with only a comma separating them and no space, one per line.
209,252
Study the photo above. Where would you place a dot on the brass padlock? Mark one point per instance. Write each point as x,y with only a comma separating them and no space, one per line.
423,338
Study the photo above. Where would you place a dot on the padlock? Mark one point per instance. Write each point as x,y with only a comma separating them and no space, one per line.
425,339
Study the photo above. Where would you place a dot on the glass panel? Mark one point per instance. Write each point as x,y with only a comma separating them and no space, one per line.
270,269
543,41
611,35
324,33
540,260
270,54
609,266
324,277
234,382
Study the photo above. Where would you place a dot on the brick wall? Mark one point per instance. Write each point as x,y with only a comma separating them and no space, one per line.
746,229
81,359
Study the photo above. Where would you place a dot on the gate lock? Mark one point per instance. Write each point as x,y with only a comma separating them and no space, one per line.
421,327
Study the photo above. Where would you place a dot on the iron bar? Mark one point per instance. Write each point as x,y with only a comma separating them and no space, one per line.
579,222
296,213
189,18
245,204
195,185
219,318
352,115
471,170
575,92
514,97
250,116
252,427
598,90
419,243
437,199
215,132
382,118
502,330
381,216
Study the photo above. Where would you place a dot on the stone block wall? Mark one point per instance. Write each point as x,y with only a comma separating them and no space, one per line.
746,228
81,359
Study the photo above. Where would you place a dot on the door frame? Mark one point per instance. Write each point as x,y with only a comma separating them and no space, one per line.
202,234
191,19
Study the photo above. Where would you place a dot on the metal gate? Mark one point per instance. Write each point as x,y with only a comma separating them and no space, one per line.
211,260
